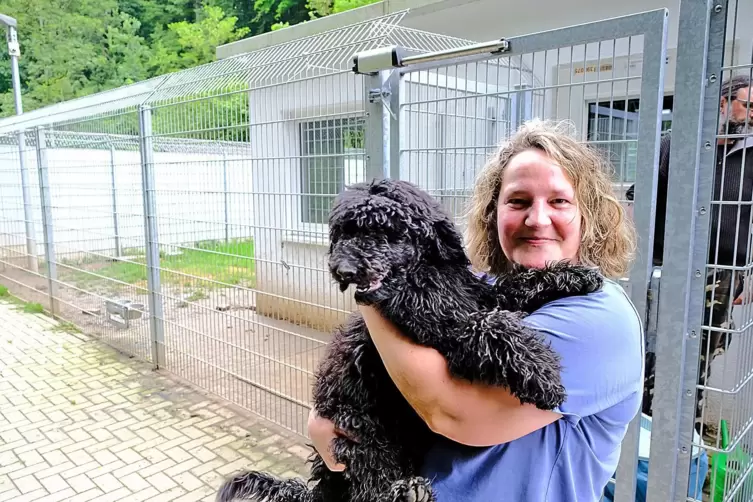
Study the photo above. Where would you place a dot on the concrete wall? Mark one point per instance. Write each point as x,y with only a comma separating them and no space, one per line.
190,198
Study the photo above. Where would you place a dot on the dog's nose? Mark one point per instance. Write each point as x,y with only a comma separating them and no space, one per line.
346,272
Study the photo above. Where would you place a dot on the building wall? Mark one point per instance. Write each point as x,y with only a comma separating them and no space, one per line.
190,198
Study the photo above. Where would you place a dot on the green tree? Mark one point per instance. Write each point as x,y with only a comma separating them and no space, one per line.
156,15
74,48
67,53
185,44
343,5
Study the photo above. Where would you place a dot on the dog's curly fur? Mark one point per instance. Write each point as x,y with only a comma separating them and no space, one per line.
402,252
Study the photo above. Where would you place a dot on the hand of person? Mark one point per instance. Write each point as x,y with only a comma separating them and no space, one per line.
747,295
322,431
743,299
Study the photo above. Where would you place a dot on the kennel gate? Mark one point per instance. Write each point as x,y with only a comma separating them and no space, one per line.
434,118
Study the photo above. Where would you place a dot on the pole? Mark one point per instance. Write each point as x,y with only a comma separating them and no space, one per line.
151,238
14,51
47,225
113,188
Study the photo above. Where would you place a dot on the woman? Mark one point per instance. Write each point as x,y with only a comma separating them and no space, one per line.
542,197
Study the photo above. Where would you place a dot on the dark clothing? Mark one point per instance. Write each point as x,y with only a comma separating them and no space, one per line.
731,205
713,342
733,175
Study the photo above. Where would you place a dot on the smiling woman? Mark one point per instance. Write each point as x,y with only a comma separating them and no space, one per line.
542,197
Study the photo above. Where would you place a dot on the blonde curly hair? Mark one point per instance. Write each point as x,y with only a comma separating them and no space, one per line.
607,236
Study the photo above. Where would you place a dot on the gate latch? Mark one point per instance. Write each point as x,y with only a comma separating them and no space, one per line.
384,94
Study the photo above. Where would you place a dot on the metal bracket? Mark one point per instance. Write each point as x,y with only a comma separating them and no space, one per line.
384,95
121,312
12,37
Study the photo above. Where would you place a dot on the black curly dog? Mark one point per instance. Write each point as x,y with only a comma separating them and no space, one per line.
402,252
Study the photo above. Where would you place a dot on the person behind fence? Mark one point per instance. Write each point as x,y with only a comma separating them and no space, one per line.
733,181
542,197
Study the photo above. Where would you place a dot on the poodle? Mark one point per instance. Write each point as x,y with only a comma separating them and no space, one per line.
403,254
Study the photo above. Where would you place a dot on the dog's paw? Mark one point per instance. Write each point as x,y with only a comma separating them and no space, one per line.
498,351
412,490
569,279
584,280
536,379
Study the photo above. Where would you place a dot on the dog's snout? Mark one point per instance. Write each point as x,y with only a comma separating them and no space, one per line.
346,271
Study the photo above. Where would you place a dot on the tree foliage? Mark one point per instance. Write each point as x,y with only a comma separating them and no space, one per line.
72,48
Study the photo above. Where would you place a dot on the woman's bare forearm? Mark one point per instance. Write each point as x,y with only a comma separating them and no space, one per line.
416,370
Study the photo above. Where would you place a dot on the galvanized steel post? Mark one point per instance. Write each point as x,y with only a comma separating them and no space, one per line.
151,238
47,226
31,238
700,48
113,187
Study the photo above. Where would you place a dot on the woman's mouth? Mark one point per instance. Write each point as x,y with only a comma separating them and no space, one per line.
536,241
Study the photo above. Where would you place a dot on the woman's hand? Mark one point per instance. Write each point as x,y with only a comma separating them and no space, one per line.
322,432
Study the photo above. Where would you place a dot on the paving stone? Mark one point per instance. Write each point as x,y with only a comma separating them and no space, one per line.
82,423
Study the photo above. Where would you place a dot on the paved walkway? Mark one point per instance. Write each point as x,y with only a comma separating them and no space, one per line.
79,421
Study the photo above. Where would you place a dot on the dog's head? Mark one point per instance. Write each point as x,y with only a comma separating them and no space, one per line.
380,230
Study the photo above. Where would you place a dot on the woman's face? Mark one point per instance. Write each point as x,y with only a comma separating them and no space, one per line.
538,220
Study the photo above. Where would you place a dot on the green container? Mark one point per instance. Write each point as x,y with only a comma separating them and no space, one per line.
734,463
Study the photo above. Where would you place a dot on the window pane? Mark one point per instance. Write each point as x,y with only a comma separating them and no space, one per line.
326,144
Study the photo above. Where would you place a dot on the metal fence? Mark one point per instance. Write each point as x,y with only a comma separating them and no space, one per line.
183,219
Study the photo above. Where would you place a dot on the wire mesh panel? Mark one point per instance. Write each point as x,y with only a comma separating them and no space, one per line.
246,295
724,396
22,265
96,211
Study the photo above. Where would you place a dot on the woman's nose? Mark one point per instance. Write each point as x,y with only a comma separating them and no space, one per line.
538,215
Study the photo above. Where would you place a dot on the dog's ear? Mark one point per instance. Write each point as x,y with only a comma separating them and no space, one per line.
449,243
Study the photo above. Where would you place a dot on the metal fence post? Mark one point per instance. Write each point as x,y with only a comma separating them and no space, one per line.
151,239
700,47
226,202
647,178
47,227
113,183
382,90
31,237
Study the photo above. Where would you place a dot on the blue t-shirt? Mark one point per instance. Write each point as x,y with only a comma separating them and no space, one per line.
600,339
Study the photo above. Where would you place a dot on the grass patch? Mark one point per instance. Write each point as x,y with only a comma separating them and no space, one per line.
197,295
33,308
207,261
65,327
7,297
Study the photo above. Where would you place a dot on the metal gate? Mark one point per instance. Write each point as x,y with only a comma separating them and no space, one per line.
701,413
434,118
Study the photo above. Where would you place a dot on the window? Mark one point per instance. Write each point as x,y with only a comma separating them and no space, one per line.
613,128
332,156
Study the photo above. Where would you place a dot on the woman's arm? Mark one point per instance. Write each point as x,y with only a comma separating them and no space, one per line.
467,413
